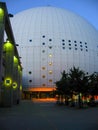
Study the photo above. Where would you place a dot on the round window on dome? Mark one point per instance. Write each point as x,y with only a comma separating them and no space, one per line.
43,76
50,80
43,36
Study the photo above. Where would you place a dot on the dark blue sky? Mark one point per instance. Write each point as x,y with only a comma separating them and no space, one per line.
85,8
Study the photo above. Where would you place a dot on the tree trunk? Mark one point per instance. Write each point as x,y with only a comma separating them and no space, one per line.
79,101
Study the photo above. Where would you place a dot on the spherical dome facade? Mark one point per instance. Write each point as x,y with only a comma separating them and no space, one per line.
52,40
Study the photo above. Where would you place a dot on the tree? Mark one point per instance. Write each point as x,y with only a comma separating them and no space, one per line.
93,85
78,82
62,87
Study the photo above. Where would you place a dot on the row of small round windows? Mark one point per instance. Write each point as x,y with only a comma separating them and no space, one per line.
63,44
43,68
43,51
50,80
63,40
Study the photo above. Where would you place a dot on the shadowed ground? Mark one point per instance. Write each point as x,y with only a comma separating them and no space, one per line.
31,115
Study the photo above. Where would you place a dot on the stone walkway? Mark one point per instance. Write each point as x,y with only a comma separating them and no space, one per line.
30,115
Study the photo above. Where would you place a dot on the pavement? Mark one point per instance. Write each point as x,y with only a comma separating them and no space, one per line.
29,115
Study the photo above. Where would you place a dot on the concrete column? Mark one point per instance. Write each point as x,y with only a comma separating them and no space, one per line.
7,98
19,82
2,26
15,80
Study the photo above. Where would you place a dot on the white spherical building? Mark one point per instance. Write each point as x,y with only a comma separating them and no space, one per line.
52,40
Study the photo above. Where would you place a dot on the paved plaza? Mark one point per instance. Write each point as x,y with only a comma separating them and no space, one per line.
29,115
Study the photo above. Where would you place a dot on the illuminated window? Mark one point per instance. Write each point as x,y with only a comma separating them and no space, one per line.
50,80
43,76
1,12
50,72
43,68
50,63
7,81
50,55
14,85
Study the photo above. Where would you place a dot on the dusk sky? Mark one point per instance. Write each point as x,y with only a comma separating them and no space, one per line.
85,8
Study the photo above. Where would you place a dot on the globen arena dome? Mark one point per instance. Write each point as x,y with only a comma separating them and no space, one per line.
52,40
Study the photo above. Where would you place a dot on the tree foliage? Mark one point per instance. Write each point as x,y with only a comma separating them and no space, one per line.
76,82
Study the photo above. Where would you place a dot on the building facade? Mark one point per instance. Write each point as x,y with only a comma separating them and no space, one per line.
10,66
52,40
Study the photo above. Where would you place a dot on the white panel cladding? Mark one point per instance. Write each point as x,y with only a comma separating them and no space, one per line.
52,40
